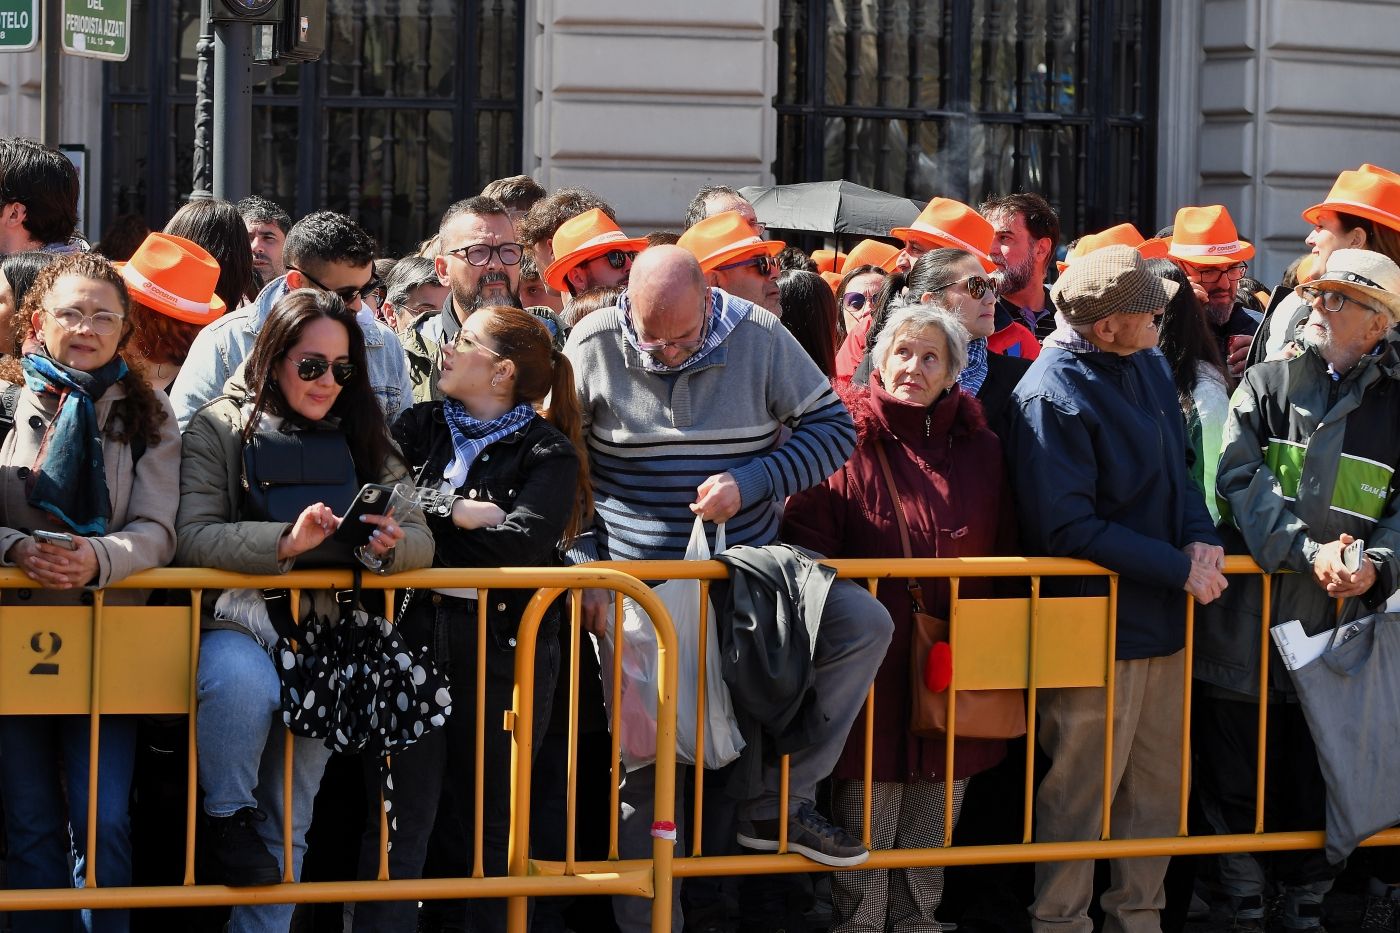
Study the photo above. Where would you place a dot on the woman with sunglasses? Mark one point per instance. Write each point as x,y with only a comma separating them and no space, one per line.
947,476
955,281
78,508
857,294
305,379
512,485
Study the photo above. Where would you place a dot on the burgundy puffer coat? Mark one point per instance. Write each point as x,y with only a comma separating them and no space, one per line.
948,466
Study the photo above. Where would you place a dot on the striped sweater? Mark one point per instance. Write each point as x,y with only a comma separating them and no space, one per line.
755,406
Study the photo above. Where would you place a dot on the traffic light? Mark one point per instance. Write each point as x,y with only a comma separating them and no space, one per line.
268,12
301,35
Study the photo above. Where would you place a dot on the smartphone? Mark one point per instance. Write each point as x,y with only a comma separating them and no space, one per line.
1351,555
57,538
372,499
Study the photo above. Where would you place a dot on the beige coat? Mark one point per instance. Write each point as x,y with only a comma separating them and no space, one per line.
210,531
142,526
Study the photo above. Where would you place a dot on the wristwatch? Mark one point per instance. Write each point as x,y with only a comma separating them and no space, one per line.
436,503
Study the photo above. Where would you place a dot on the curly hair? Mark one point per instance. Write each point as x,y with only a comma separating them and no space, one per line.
545,217
160,337
140,413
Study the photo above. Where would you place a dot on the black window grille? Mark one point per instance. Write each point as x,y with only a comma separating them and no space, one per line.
972,98
388,126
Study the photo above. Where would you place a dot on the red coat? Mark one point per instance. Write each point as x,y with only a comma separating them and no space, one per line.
948,467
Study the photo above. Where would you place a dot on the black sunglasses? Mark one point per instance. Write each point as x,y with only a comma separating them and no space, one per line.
349,293
310,369
617,258
764,264
976,285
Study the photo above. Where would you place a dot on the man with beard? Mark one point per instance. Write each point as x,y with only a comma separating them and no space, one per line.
1027,230
1307,468
1207,247
325,251
479,261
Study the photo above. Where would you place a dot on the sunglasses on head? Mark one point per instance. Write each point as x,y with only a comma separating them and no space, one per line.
976,285
764,264
617,258
311,368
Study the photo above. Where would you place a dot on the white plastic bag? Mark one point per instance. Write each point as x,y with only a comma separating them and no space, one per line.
723,742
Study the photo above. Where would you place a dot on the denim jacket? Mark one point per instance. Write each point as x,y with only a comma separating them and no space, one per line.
220,348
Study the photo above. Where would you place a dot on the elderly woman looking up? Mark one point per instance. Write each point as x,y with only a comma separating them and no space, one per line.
947,467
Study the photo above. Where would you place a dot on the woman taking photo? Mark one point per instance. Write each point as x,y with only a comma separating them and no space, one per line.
514,485
948,478
90,465
304,390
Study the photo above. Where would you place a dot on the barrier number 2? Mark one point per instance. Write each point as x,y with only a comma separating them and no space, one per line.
36,644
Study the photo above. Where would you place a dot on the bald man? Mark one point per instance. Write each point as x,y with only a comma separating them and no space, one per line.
694,403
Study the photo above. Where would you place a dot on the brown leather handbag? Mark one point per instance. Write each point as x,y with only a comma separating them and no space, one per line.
982,714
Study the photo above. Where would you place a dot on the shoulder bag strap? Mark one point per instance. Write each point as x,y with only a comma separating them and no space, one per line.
916,592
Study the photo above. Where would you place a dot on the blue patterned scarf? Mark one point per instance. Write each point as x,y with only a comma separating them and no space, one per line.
470,436
72,483
975,372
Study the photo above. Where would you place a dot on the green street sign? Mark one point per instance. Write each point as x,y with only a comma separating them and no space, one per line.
97,28
19,25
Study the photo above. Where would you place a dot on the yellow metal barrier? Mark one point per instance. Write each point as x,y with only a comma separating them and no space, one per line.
47,666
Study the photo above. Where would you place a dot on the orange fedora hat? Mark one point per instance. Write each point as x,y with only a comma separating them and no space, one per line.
945,222
872,253
1207,236
1377,170
174,276
1121,235
832,279
724,238
1367,192
587,236
828,260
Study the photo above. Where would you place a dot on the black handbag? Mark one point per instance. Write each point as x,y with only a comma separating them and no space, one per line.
284,472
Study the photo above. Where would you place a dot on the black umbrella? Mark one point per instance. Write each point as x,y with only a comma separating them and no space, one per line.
831,207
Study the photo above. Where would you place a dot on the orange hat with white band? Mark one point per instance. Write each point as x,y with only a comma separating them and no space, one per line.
587,236
1121,235
1206,236
873,253
724,238
174,276
1370,192
945,222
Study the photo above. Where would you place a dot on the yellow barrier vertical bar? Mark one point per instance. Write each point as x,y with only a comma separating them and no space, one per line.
192,752
867,790
94,727
1265,584
615,795
287,749
700,719
783,765
571,769
1032,673
953,583
1110,687
662,848
519,720
383,872
479,790
1189,648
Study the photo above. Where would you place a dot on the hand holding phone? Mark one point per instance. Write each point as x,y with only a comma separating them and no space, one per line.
57,538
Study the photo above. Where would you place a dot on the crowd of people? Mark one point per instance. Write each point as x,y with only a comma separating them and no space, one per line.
554,391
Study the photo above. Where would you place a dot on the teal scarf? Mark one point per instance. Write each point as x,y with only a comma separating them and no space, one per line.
69,476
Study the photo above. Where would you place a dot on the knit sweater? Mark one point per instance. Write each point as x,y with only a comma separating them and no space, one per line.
654,437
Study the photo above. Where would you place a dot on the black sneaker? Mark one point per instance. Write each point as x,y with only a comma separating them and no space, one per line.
808,833
237,855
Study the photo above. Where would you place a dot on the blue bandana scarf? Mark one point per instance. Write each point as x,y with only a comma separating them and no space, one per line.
72,483
470,436
975,372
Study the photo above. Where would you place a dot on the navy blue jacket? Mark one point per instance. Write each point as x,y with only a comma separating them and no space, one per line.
1096,447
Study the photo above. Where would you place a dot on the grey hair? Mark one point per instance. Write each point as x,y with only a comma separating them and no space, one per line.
917,317
408,273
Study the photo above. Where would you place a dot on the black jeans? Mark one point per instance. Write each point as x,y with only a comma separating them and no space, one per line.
435,779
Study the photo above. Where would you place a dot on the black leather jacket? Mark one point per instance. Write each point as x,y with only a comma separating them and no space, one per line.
531,474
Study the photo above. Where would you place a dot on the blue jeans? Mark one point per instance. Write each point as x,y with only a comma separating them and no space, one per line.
35,752
241,744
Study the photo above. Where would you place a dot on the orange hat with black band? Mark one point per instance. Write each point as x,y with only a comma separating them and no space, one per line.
945,222
1370,192
1121,235
174,276
1206,236
587,236
726,238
